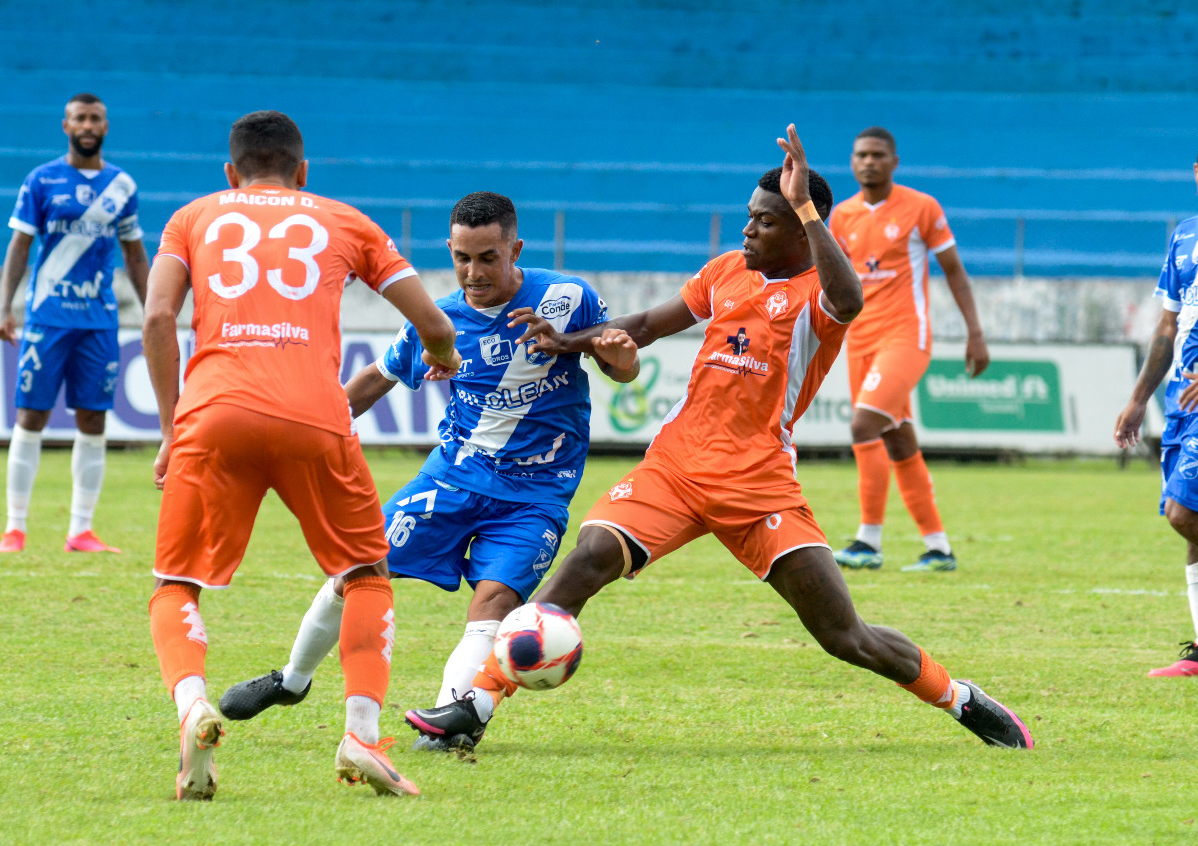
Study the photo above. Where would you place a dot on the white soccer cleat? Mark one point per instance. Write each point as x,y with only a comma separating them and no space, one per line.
357,762
199,735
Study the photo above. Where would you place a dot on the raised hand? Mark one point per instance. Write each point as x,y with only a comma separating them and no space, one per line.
794,169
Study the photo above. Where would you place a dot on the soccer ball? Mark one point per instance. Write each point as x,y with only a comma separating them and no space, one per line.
538,645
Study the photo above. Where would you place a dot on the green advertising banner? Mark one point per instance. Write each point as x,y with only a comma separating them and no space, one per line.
1010,395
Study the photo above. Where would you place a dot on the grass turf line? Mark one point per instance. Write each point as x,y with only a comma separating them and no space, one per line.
703,712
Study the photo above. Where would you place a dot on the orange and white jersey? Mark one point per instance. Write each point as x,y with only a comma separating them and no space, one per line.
890,245
268,266
765,352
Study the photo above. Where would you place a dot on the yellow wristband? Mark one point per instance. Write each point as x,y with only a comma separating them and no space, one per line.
807,212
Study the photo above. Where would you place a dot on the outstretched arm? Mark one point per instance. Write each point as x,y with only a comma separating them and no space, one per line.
977,356
365,388
1156,366
613,343
432,325
842,287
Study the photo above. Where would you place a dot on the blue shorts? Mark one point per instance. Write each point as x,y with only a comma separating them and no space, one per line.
1179,462
87,359
431,525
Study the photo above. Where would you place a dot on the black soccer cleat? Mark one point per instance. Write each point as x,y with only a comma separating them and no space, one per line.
248,699
456,723
992,721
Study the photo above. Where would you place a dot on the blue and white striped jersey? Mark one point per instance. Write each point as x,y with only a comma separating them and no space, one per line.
518,423
78,220
1179,293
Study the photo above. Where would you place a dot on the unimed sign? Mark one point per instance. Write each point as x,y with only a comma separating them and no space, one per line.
1009,395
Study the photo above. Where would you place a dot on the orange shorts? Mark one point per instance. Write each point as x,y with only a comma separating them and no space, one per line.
662,511
223,461
883,381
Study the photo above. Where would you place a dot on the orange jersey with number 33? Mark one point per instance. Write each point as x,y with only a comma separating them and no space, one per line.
268,266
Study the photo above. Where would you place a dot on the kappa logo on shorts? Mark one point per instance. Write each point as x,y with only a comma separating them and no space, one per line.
621,491
777,304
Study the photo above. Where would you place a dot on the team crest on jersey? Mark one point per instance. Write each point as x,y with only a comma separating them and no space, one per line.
536,359
777,304
85,195
891,231
109,205
621,491
495,350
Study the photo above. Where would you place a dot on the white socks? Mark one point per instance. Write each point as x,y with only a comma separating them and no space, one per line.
937,542
318,634
24,453
484,705
1192,592
362,718
870,534
462,666
187,691
963,697
87,473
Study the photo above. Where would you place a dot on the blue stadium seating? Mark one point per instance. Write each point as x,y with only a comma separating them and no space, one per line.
640,120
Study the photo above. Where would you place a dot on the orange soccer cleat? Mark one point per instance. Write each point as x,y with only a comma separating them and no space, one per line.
13,541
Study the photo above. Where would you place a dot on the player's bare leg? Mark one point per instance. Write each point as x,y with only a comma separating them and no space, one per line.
812,584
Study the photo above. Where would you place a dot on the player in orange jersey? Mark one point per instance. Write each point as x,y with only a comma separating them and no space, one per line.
262,408
888,231
724,463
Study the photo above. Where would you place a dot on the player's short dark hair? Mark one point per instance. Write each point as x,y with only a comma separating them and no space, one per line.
880,133
265,143
817,186
482,208
86,99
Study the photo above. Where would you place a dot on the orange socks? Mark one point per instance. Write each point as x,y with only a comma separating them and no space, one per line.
915,484
933,685
178,633
367,637
491,679
873,480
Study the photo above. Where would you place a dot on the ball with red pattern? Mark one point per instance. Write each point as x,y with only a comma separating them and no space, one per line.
539,645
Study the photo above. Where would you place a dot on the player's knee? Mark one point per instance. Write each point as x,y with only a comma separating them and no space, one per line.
847,645
1182,519
598,559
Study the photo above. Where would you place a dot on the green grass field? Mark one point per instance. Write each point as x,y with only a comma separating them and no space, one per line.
703,712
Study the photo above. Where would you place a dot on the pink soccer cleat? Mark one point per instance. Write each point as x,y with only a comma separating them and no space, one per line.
13,541
1185,665
87,541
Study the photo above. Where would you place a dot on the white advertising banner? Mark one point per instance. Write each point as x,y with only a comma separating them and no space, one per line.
1038,398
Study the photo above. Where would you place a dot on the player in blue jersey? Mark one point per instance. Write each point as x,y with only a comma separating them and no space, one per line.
80,208
490,503
1173,354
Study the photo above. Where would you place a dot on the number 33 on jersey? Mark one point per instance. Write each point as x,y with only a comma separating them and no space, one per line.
268,266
